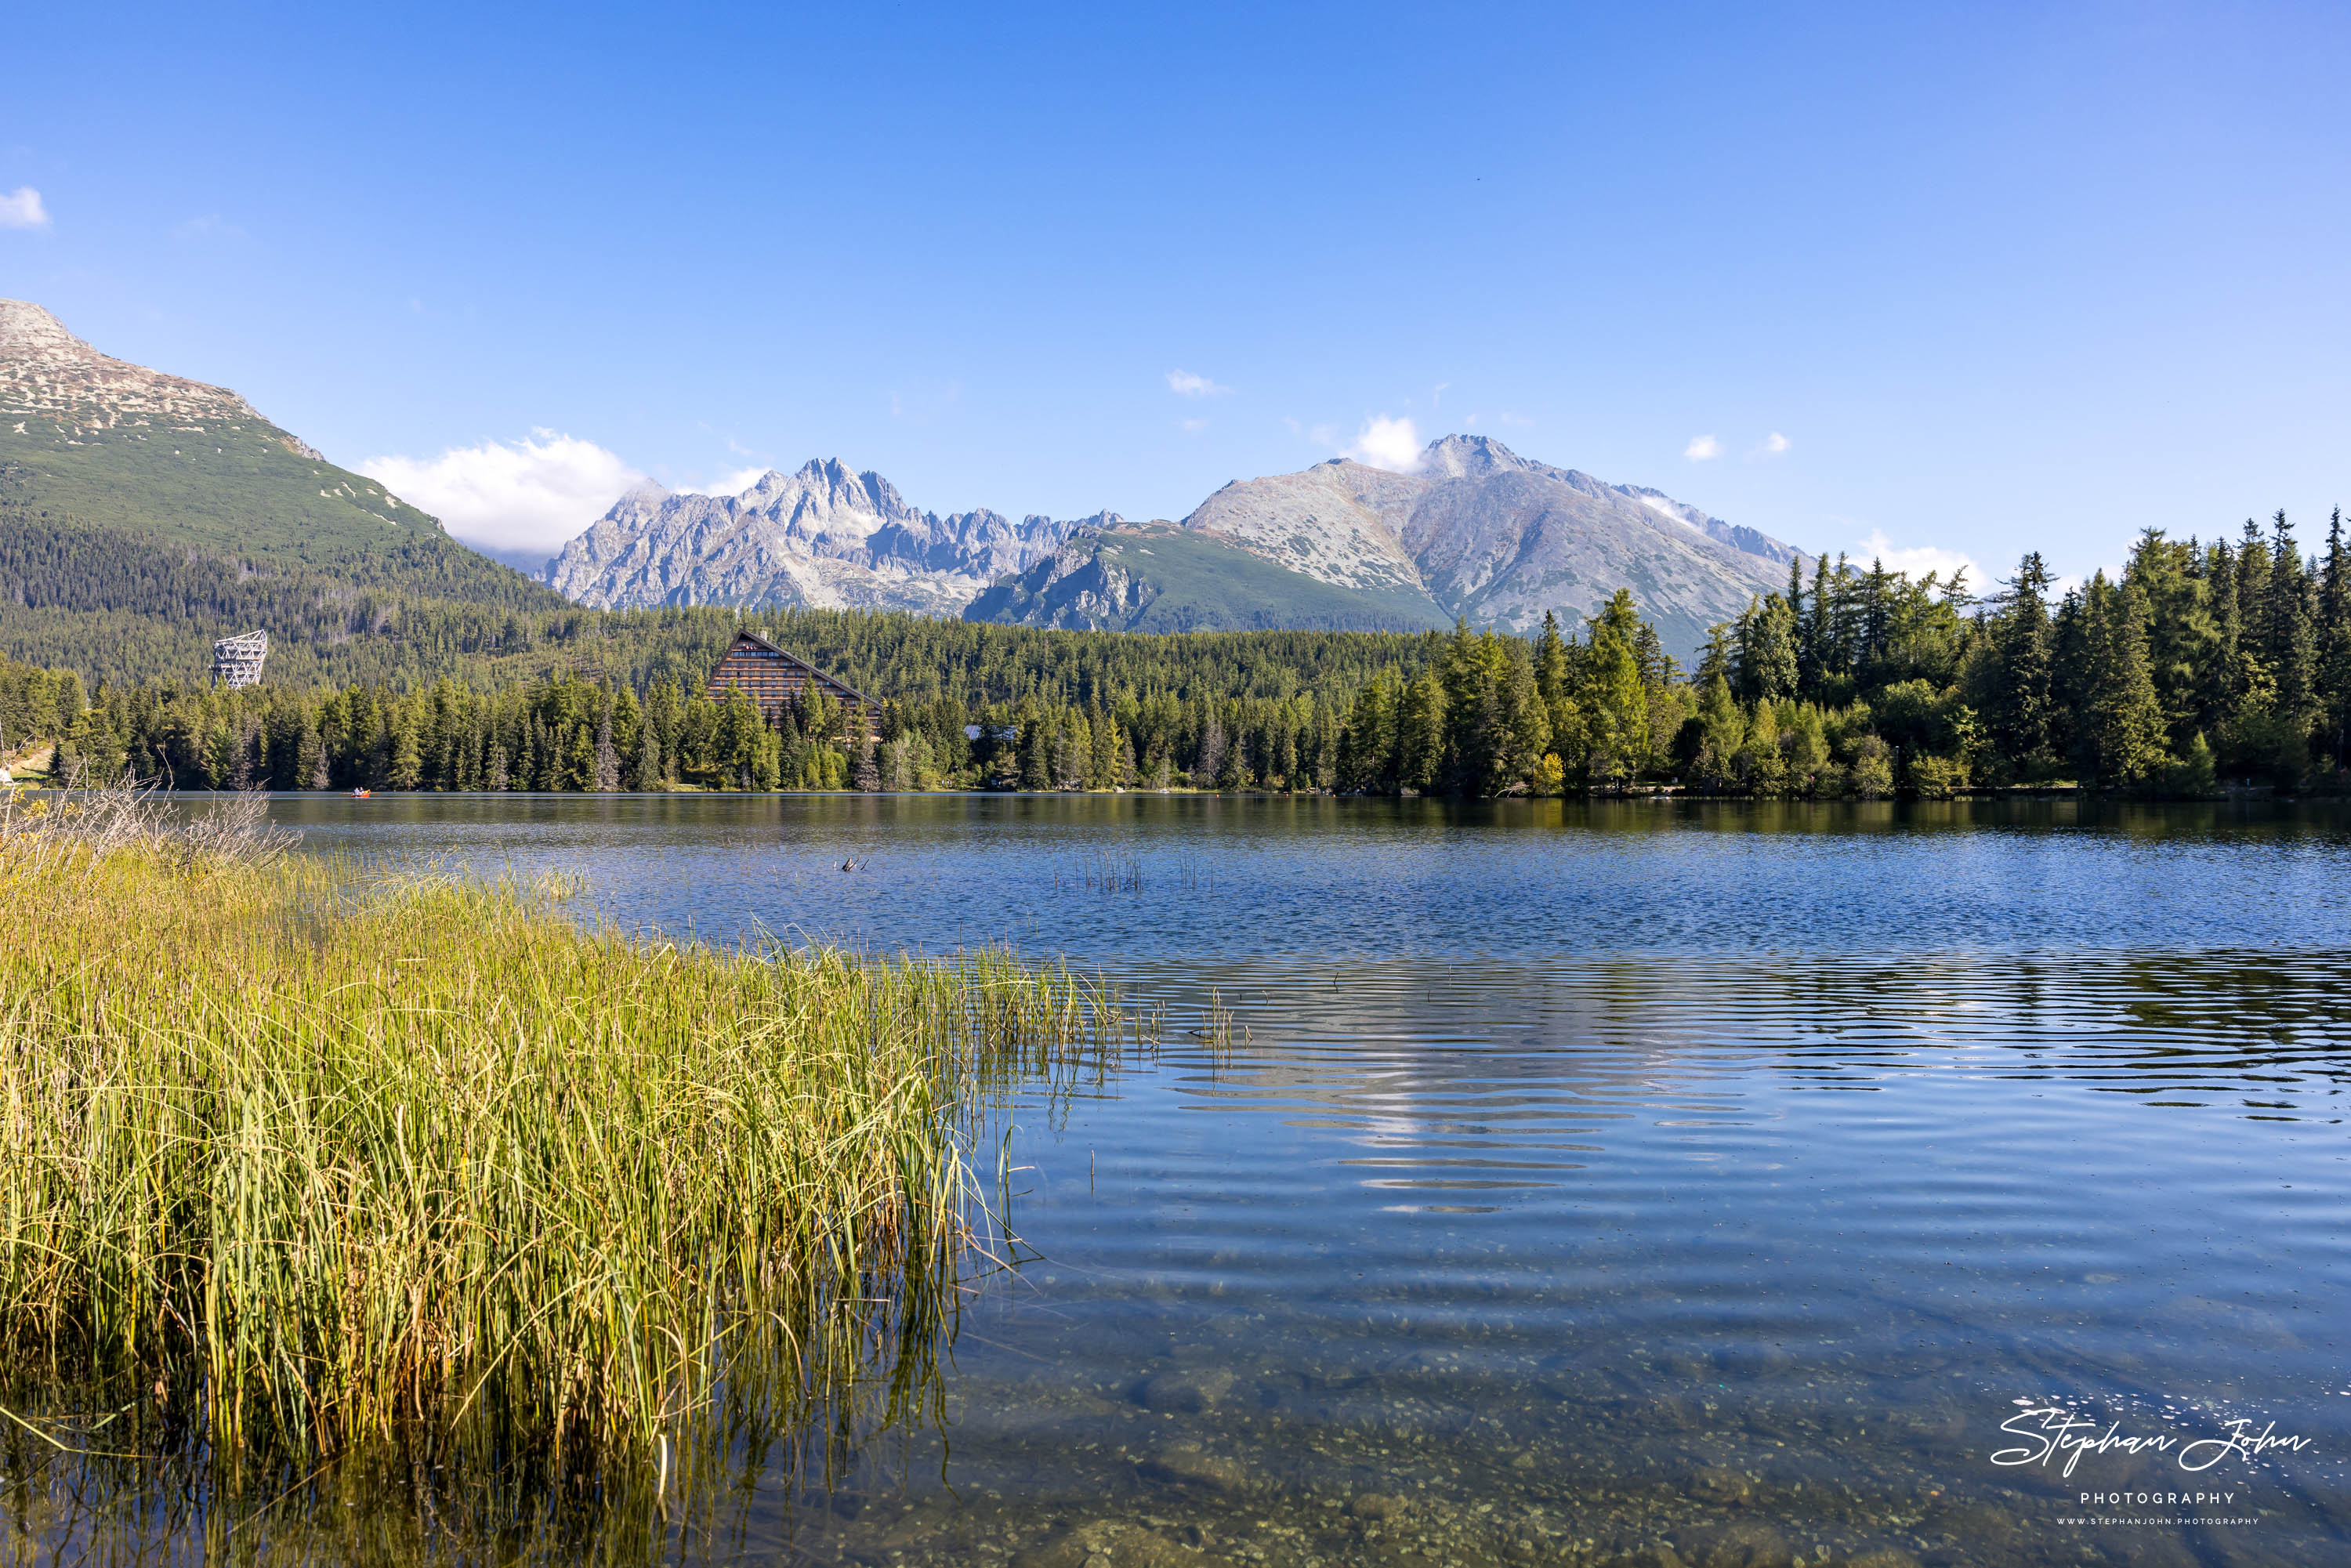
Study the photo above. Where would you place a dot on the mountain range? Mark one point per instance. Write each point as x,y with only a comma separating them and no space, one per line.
1473,531
822,537
128,492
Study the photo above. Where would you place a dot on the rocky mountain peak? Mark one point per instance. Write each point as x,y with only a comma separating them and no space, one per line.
1469,457
49,374
824,535
29,334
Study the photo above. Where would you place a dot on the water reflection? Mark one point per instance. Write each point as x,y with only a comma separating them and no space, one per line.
1705,1188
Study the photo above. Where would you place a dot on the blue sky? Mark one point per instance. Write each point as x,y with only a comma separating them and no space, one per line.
1998,278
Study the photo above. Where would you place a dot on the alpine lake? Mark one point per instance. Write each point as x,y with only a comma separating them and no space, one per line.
1641,1182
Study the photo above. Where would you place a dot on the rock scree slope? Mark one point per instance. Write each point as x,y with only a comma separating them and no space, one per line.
1473,531
824,537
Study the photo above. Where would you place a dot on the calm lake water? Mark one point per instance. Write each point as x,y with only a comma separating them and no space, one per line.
1644,1183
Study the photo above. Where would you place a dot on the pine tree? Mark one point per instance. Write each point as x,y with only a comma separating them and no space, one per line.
2290,644
579,760
1367,748
1764,656
1614,703
2126,721
1473,712
1232,769
1208,757
1523,731
1036,753
1103,771
2334,641
606,766
2218,681
1420,734
2022,652
1817,662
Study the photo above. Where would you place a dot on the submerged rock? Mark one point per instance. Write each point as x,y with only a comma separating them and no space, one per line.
1747,1544
1187,1464
1186,1391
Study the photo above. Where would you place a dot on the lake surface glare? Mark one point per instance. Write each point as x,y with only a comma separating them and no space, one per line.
1634,1183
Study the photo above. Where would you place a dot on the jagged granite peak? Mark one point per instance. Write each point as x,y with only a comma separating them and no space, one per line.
1472,530
1500,539
824,535
48,376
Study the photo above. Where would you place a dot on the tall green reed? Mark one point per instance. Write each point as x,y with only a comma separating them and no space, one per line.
330,1156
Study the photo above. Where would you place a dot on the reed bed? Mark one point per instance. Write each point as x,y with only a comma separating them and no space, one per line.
311,1156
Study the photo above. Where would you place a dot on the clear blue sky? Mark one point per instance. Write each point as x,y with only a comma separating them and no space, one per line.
2001,276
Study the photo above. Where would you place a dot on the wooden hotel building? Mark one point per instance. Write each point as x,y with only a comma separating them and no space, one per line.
772,678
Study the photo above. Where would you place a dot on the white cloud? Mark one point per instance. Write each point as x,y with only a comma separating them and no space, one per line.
733,483
533,493
1384,442
21,209
1918,560
1701,448
1183,383
1193,424
211,225
1772,445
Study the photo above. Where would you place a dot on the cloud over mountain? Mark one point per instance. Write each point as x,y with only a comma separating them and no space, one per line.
524,497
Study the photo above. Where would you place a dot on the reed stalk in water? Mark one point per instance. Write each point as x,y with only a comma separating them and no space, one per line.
323,1156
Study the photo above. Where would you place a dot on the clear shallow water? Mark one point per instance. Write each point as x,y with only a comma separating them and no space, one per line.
1583,1185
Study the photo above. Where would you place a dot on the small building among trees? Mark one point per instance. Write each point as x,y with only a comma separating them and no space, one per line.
774,680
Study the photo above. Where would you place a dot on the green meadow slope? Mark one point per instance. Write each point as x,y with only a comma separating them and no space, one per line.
142,515
1155,577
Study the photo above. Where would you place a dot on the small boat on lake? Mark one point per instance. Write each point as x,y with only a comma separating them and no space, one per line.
361,794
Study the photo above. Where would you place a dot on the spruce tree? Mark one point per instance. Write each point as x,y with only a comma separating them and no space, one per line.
606,779
2021,653
1614,701
1208,756
1817,662
1523,731
1102,769
1232,771
1420,734
1036,753
1765,650
2334,641
2127,722
2292,643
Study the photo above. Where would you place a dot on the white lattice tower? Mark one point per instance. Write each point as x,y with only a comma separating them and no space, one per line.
236,661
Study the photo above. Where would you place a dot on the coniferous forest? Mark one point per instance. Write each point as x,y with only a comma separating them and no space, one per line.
2204,665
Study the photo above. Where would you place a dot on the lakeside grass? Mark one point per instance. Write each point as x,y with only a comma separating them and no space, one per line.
303,1155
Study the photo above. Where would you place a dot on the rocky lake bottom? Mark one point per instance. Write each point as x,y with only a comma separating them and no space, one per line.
1723,1187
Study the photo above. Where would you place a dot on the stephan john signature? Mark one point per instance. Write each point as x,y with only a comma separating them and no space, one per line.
2053,1430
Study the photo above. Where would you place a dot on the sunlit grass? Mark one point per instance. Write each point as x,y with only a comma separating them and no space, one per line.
314,1156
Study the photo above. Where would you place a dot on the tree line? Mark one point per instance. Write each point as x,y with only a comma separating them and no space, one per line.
2201,664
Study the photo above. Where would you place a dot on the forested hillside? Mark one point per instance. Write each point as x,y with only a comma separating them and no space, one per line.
2205,664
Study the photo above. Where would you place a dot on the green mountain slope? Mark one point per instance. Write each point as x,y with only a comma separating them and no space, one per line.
242,491
143,511
90,441
1155,577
